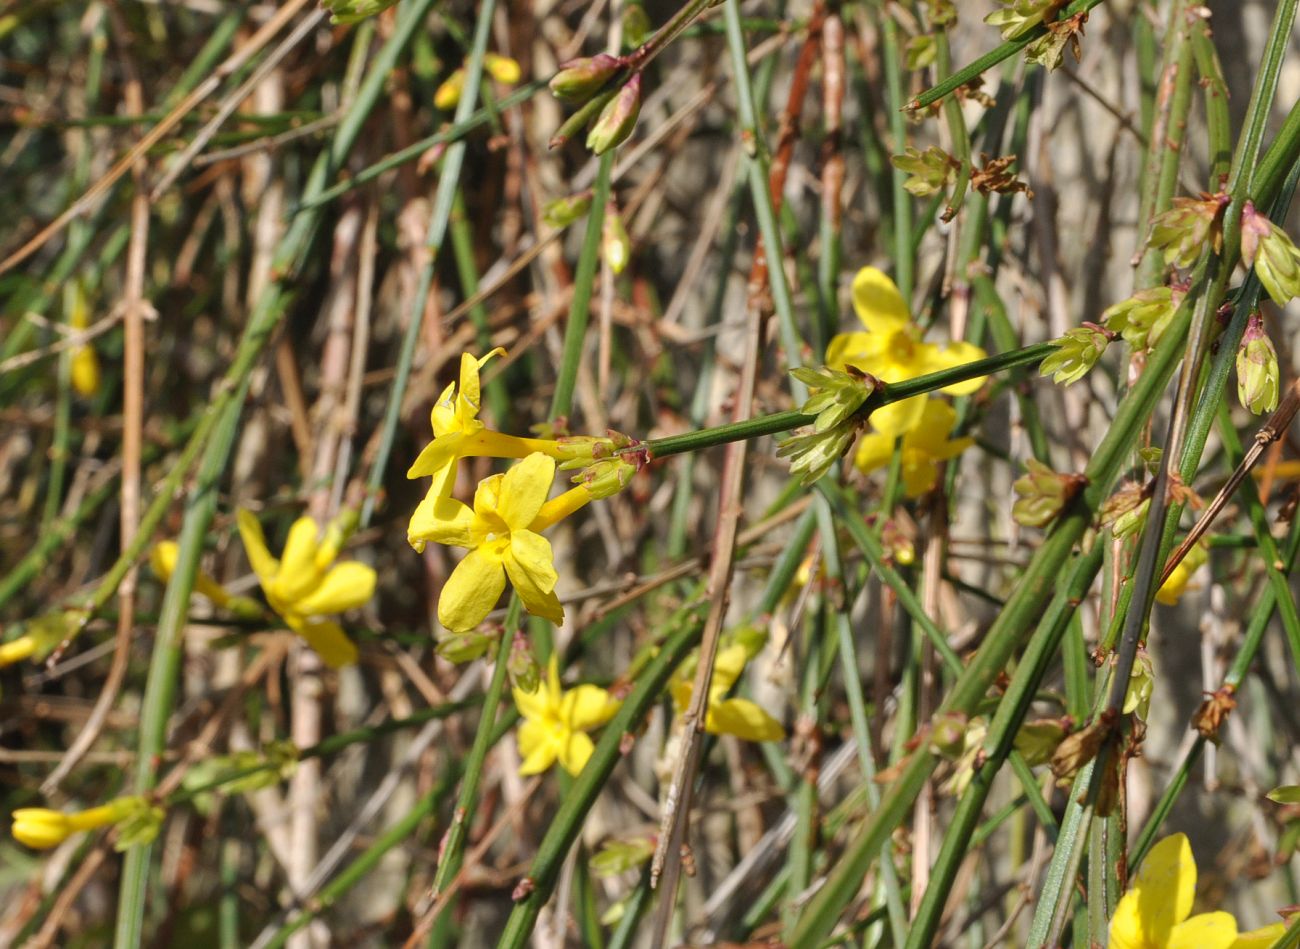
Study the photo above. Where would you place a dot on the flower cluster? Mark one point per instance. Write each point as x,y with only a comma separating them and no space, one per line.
890,349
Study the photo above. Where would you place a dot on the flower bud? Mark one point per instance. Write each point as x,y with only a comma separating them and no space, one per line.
1037,741
42,635
502,68
1141,681
921,51
447,95
580,79
617,120
354,11
1275,258
814,454
1182,231
615,245
837,394
1043,494
1257,373
1143,317
464,647
930,170
522,666
606,477
1076,353
1017,17
561,212
139,824
621,855
1049,49
948,735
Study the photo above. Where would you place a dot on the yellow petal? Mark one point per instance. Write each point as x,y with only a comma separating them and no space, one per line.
575,750
442,416
502,68
327,638
298,572
1262,938
919,473
448,94
586,707
874,451
727,667
681,690
437,455
958,354
537,748
879,305
524,490
529,565
744,719
487,499
471,591
250,532
1126,925
346,587
546,700
899,418
40,828
931,431
85,371
858,348
443,521
163,559
1205,931
1165,887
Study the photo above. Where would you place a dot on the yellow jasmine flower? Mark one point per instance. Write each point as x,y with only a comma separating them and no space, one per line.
41,828
1172,590
163,560
891,350
1263,938
458,433
555,722
1154,913
303,586
85,363
924,447
501,534
724,716
42,635
501,68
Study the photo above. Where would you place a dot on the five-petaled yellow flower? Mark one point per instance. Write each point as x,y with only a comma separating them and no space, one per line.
303,586
458,433
1155,913
924,447
724,716
501,532
891,350
555,723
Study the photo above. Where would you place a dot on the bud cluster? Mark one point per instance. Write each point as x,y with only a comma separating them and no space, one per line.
930,170
1143,318
1043,494
1017,17
1275,258
1076,353
581,80
835,403
1185,229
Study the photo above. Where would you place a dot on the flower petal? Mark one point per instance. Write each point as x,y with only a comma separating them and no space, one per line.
346,587
1165,887
441,520
899,418
524,490
727,667
298,572
537,746
858,348
546,700
529,565
587,706
471,591
744,719
575,752
874,451
919,473
876,300
1262,938
437,455
327,638
250,532
1206,931
958,354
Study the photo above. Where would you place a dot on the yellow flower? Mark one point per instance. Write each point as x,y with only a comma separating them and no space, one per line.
1172,590
501,534
924,446
1154,913
1263,938
891,350
555,722
501,68
458,433
724,716
302,587
41,828
163,560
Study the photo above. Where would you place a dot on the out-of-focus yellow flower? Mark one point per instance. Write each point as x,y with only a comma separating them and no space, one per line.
501,68
303,586
501,534
556,722
1172,590
891,350
42,828
42,634
163,560
724,716
84,361
1155,913
924,447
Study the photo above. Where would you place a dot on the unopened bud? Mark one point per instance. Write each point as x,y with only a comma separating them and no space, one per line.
1076,353
1184,230
521,665
617,120
837,394
1043,494
1257,372
621,855
353,11
615,245
607,477
1143,317
1037,741
561,212
464,647
580,79
928,170
948,735
1275,258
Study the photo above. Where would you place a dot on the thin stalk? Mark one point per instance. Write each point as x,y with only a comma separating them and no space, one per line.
904,255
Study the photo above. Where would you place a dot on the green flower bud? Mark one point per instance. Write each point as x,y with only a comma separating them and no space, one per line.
579,451
1018,17
1076,353
464,647
139,824
1038,740
580,79
941,12
1257,373
353,11
1141,682
622,854
1130,522
837,395
561,212
1184,230
522,666
948,735
1286,794
617,120
615,245
1143,317
606,477
814,454
1276,260
930,170
1043,494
